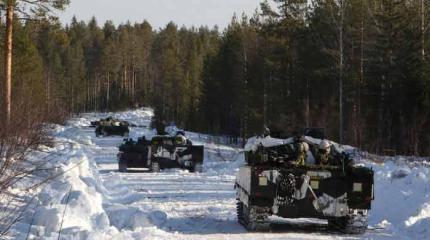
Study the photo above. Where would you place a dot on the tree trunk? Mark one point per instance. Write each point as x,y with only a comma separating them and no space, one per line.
133,85
108,91
360,124
95,93
342,14
423,51
246,110
265,101
8,59
48,89
307,113
125,80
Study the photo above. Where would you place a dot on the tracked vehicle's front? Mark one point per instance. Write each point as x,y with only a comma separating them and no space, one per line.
109,126
273,183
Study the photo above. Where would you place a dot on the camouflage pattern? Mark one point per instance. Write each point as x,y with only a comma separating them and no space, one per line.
278,181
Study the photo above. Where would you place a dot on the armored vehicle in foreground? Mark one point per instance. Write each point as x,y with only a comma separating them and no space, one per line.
302,178
109,126
161,152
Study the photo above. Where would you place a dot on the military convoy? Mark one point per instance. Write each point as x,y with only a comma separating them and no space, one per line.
110,126
161,152
289,178
299,177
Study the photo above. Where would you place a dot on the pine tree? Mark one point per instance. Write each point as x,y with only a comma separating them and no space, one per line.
34,9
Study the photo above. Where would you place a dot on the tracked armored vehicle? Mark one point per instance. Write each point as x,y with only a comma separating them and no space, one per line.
274,182
109,126
107,121
161,152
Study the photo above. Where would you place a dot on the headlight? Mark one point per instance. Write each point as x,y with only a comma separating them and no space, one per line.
357,187
315,184
262,181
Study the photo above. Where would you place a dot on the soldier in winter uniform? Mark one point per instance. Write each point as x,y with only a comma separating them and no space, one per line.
302,149
322,155
266,131
181,140
160,126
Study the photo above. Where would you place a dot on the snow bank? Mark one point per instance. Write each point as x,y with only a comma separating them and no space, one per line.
78,194
78,191
402,204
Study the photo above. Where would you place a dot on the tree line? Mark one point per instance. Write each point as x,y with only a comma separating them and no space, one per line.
357,68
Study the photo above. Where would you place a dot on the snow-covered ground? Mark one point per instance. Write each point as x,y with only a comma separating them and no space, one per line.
98,202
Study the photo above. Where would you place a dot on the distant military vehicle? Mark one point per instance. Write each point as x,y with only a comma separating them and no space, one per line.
161,152
276,181
134,154
105,121
110,126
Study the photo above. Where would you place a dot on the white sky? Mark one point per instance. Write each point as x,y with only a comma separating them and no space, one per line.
160,12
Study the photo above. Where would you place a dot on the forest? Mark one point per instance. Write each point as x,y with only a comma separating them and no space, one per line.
357,68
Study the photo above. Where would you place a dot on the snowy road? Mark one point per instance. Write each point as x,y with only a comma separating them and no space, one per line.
176,204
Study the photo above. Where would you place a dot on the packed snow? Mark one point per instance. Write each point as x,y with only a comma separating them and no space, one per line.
90,199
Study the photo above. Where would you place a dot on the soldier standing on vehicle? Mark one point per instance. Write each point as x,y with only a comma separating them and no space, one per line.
180,140
322,156
266,131
160,126
302,149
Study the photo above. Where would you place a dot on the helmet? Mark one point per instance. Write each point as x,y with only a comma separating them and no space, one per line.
180,139
303,147
325,145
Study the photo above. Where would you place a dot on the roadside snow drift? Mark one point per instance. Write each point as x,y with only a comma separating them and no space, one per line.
90,199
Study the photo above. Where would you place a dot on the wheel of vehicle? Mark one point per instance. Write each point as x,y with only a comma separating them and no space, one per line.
104,133
251,219
126,134
155,167
239,209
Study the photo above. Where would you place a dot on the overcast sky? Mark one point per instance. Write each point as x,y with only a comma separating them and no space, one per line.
160,12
